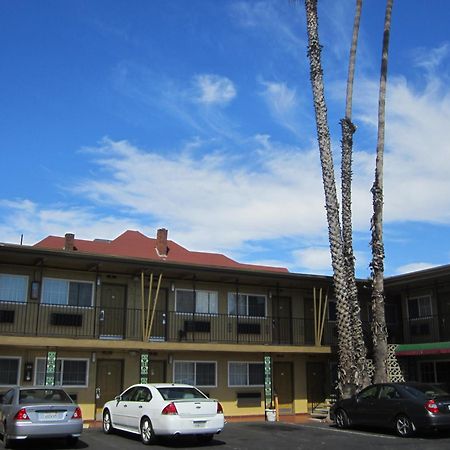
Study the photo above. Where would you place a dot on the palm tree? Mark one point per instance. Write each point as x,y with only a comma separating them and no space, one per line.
344,312
379,330
361,377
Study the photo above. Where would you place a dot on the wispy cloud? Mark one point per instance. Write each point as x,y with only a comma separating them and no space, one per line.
414,267
283,104
431,59
35,221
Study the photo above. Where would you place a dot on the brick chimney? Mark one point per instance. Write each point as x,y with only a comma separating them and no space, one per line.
69,241
161,242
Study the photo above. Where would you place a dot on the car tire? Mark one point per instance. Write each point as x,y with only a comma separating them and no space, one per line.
147,433
404,426
107,423
72,441
204,438
341,418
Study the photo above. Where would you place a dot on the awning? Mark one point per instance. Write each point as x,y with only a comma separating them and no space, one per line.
429,348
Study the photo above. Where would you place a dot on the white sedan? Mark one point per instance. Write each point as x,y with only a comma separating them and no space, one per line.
164,409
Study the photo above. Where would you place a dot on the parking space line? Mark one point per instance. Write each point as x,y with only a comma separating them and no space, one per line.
360,433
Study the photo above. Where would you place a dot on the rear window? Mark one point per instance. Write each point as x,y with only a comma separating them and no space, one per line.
178,393
428,390
33,396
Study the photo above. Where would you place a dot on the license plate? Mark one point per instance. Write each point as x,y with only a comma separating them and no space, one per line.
200,424
49,416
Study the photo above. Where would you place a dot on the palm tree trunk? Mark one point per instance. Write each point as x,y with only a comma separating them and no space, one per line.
379,329
345,342
348,129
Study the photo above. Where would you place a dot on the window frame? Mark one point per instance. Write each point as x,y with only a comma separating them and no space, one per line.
417,299
247,364
68,281
19,370
26,279
195,362
236,295
61,372
195,292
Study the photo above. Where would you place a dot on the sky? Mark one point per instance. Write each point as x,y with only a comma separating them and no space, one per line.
197,116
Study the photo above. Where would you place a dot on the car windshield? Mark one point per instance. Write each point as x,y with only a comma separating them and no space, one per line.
33,396
177,393
430,390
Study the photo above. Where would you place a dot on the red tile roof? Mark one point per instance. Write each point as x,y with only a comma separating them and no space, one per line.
133,244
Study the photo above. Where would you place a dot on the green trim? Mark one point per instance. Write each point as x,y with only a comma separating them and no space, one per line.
423,348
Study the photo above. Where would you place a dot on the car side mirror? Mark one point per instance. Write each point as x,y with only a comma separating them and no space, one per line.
118,398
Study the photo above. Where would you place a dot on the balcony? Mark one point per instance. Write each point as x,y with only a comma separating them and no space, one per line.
35,319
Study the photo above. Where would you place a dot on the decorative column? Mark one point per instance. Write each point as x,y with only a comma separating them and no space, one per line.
144,368
50,369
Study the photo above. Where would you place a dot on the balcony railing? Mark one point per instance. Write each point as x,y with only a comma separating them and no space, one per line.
35,319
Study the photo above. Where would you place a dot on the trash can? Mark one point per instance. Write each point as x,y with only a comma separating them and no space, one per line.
271,415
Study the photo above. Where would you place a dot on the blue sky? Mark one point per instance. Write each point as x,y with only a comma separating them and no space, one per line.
197,116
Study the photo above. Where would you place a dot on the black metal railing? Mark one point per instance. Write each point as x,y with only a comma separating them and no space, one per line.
35,319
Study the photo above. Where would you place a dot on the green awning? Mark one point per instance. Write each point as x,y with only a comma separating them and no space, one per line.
429,348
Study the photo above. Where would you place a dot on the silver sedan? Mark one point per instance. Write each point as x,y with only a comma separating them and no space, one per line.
39,412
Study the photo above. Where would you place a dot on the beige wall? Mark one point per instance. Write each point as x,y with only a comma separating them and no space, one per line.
131,359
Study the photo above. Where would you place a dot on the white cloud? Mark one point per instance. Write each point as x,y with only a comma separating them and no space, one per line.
35,222
414,267
214,89
317,259
211,203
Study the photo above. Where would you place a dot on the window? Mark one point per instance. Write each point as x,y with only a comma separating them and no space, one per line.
435,372
369,393
332,312
389,393
247,305
9,371
245,374
69,372
419,307
13,288
195,373
203,302
64,292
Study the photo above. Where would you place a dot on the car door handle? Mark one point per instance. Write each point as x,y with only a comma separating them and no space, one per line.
140,406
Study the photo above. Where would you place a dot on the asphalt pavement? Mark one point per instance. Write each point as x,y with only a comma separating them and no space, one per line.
310,435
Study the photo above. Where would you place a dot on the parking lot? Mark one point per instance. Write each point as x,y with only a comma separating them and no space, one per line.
261,436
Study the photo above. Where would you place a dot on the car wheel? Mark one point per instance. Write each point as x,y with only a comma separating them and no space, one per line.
107,423
342,420
72,441
147,433
205,438
404,426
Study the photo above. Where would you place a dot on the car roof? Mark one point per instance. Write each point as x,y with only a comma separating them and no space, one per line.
163,385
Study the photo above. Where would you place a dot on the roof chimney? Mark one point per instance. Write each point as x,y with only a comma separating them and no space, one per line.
161,242
69,241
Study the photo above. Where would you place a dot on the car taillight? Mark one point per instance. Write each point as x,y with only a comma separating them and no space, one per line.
21,415
431,406
170,410
77,413
219,408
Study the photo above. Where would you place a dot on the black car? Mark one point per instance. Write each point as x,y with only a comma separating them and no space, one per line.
405,407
